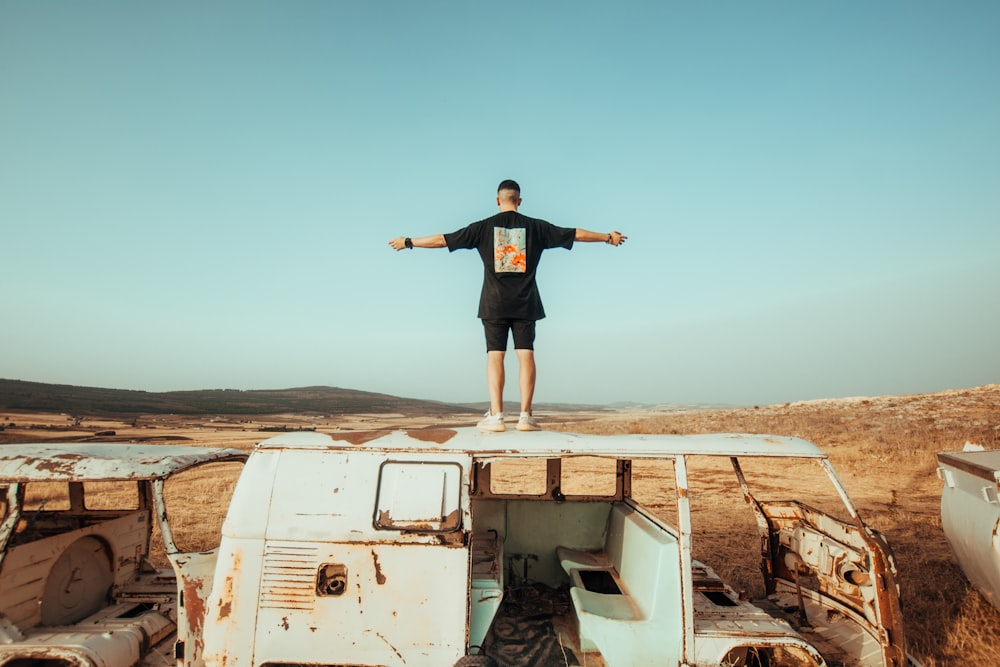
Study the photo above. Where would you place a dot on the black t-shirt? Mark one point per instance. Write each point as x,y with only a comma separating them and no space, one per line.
510,245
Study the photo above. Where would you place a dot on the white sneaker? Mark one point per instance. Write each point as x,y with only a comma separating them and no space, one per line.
527,423
492,423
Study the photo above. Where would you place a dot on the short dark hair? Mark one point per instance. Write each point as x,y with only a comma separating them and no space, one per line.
509,185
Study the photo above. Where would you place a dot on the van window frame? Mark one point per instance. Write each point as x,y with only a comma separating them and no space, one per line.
451,522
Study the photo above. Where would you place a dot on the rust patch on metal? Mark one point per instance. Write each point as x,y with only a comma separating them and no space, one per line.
379,576
195,607
226,599
358,437
438,436
226,605
59,463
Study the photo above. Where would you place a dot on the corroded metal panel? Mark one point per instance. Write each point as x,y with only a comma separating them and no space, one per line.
396,601
96,461
400,600
194,576
314,497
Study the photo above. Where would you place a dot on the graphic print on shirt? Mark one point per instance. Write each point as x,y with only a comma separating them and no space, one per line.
509,250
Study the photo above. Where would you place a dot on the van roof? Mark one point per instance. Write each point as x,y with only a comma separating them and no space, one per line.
549,444
103,461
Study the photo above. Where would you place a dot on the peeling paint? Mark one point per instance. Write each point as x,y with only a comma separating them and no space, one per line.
103,461
358,437
435,435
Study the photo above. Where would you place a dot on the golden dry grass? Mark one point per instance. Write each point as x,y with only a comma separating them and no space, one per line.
883,448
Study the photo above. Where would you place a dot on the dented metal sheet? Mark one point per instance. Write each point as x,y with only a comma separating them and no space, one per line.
97,461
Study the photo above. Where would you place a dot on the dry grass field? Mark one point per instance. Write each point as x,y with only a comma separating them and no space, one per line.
882,447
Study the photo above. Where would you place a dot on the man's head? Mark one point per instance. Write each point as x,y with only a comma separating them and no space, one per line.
508,195
509,185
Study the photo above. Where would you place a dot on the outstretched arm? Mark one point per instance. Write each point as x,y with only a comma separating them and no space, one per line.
433,241
614,238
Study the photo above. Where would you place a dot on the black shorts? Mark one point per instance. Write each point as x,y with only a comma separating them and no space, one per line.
496,334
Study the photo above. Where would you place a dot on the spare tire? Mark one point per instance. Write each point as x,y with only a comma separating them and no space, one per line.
78,583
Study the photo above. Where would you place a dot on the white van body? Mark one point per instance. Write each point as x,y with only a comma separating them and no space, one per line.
404,548
970,515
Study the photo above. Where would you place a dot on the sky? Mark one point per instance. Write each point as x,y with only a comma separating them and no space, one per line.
200,195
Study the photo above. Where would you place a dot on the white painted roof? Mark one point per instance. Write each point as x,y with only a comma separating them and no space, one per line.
102,461
549,444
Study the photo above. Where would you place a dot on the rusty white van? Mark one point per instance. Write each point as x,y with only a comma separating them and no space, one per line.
441,547
78,586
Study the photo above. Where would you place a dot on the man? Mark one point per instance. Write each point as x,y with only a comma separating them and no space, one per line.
510,245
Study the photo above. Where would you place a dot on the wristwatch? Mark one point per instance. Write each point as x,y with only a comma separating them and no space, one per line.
408,242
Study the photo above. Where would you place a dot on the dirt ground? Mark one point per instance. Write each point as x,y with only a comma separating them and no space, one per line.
883,448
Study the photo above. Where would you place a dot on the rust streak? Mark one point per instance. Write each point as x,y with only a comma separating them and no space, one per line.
387,643
226,605
226,601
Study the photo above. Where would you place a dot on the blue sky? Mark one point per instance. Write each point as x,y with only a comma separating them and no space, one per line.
200,195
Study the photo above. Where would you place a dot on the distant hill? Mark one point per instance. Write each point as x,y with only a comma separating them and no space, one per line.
17,395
